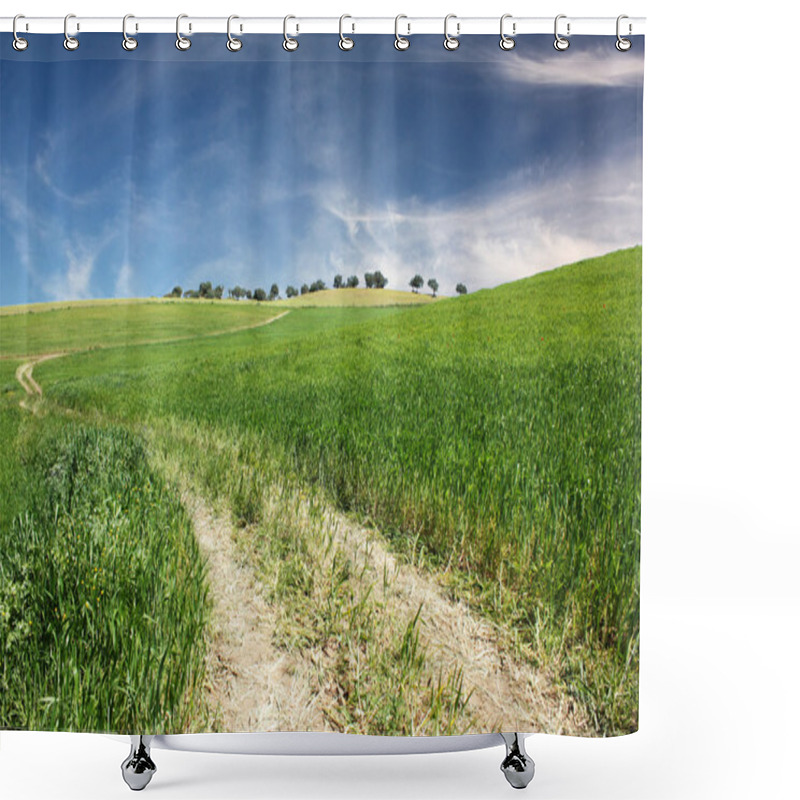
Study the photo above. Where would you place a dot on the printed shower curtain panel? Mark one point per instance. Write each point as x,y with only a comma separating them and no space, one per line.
321,383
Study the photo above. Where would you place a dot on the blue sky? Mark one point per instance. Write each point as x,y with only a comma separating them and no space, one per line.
123,174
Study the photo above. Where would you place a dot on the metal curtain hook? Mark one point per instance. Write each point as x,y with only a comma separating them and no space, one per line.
622,44
345,42
507,42
289,44
560,43
181,42
128,42
70,42
19,44
233,44
451,42
401,42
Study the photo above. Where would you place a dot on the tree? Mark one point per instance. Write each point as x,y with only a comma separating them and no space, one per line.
369,280
304,289
352,282
176,291
434,284
379,280
291,291
338,282
416,283
260,295
218,290
191,293
238,292
248,294
317,286
205,289
460,288
274,292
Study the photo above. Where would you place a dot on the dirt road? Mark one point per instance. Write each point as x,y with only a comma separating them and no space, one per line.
260,686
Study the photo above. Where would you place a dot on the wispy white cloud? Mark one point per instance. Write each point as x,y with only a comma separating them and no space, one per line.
514,229
14,209
43,168
73,254
587,68
75,282
123,286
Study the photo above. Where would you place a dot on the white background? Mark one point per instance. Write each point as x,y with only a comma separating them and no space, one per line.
721,539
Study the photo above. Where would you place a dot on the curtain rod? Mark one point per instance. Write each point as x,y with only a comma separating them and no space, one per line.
461,26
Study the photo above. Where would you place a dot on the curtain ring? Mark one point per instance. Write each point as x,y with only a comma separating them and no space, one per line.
128,42
19,44
401,42
560,43
181,42
622,44
507,42
289,44
451,42
70,42
233,44
345,42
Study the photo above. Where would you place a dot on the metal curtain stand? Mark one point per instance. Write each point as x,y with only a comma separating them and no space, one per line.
138,768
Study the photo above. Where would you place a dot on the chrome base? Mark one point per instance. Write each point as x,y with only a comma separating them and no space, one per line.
320,743
138,768
517,766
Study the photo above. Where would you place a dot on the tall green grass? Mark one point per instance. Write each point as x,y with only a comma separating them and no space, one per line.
102,592
495,437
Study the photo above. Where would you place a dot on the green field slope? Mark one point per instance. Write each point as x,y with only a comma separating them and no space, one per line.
97,324
494,438
61,305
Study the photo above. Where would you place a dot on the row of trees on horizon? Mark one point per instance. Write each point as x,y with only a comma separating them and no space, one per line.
372,280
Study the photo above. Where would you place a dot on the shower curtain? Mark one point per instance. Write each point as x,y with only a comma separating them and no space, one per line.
320,382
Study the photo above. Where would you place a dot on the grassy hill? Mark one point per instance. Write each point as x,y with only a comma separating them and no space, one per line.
77,325
356,297
56,305
494,438
99,324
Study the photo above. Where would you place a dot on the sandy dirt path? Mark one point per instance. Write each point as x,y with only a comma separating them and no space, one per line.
24,374
254,686
506,692
260,686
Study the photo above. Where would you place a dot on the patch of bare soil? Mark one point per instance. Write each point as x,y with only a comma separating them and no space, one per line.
254,685
24,375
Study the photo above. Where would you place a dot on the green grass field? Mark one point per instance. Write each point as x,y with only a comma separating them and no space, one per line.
492,438
69,328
